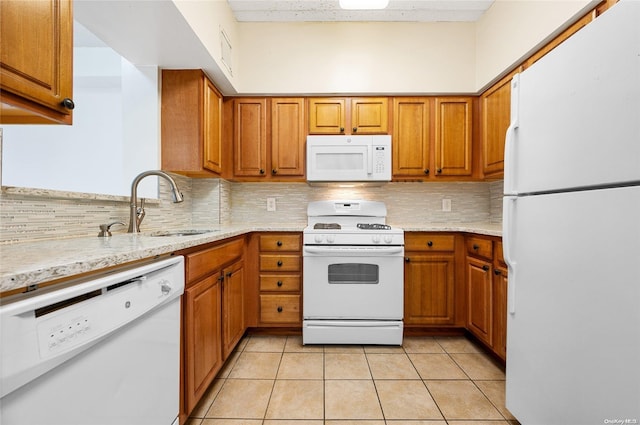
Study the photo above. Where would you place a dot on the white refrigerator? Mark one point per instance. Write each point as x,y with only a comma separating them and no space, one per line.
571,229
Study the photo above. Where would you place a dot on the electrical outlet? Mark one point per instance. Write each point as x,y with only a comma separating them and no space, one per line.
446,205
271,204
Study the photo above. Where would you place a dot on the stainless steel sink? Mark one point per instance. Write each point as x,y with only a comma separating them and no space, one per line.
181,232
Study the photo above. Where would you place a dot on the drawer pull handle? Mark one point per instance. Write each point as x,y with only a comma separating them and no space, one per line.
279,243
485,268
475,247
497,272
279,283
407,259
279,263
279,309
426,171
430,243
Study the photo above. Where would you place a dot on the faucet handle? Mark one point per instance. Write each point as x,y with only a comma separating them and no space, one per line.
105,229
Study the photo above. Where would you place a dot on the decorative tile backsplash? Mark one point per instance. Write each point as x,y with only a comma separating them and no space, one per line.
28,214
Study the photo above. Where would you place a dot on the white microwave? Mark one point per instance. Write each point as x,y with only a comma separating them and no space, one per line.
349,158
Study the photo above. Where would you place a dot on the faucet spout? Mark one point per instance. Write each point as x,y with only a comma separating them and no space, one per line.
137,214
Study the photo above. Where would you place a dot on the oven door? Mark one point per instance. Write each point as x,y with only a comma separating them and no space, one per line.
354,283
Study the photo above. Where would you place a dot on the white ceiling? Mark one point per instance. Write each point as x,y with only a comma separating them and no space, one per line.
329,11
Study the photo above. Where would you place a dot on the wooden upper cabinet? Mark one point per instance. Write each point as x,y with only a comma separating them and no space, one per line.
453,133
269,138
411,141
327,116
495,117
366,115
36,62
288,138
370,115
250,137
212,159
191,119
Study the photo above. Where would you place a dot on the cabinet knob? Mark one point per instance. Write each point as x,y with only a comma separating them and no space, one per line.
426,171
341,129
68,103
229,274
279,309
475,247
430,243
407,259
485,268
497,272
279,243
261,171
274,171
279,283
355,129
439,171
279,263
221,278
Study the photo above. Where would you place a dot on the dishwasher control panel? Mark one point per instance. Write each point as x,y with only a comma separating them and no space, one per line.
59,333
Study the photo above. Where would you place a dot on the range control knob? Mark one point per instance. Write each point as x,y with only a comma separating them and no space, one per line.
331,238
376,238
388,238
318,238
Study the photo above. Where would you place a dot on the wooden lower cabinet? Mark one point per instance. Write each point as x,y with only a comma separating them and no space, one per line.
232,307
279,279
432,293
486,276
202,332
429,289
479,296
213,318
500,278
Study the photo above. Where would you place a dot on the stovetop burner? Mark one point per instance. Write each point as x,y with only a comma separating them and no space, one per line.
327,226
373,226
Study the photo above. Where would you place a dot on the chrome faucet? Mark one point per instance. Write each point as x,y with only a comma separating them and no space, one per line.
136,214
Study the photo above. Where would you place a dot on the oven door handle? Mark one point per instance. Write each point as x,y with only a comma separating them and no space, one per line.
354,250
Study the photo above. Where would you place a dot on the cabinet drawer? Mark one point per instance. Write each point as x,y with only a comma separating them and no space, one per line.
281,283
479,247
280,242
280,309
199,264
429,242
279,263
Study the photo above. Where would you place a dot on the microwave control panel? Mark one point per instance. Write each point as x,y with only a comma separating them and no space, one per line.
379,159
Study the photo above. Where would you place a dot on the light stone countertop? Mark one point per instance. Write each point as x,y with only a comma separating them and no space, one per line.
31,263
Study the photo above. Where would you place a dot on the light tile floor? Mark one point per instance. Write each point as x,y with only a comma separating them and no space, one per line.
275,380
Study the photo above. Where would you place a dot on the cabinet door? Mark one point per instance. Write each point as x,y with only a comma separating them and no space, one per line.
36,51
326,116
429,289
370,115
453,136
212,128
288,139
411,136
203,357
250,137
496,110
479,294
232,307
500,312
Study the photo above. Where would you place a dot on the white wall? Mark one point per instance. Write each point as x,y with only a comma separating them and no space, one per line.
512,29
309,58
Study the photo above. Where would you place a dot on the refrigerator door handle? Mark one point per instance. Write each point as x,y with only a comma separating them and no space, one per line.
508,236
509,145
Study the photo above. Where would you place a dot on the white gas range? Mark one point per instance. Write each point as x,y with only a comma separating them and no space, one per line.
353,284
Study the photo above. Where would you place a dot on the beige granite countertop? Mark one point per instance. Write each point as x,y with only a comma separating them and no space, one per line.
26,264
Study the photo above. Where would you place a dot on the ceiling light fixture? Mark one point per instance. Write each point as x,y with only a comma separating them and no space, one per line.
363,4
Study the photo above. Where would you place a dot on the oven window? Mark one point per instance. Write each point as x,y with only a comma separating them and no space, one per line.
353,273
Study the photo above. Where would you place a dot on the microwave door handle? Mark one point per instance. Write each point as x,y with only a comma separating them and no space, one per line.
369,159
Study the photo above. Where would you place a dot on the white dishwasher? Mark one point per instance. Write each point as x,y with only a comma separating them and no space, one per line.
96,352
